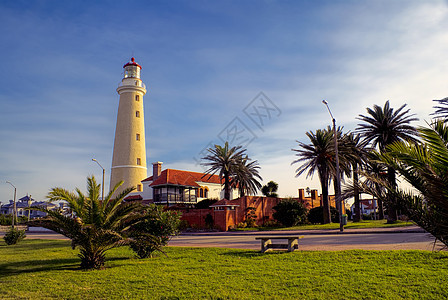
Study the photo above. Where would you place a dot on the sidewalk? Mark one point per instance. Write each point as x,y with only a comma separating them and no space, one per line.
405,229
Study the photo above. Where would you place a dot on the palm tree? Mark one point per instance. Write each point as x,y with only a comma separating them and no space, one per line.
355,153
425,167
317,157
246,177
441,110
234,167
94,226
382,127
270,189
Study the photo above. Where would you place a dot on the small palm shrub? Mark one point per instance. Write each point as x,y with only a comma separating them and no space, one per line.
14,235
94,226
316,215
290,212
154,231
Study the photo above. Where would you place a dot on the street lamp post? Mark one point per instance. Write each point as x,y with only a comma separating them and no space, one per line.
337,192
102,185
14,209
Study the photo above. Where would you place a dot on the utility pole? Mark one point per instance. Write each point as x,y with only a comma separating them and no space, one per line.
102,185
337,192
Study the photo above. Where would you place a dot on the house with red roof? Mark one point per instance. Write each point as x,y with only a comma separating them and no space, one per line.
368,206
173,187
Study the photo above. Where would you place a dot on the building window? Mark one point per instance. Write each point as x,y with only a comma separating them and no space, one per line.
137,97
137,114
139,187
139,161
202,192
137,136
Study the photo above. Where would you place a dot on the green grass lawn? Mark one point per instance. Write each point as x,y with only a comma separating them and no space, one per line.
36,269
350,225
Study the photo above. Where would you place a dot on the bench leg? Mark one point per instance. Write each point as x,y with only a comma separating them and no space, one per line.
293,244
264,245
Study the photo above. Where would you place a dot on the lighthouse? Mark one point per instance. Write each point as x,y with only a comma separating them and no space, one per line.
129,156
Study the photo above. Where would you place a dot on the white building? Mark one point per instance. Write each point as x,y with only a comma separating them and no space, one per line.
171,187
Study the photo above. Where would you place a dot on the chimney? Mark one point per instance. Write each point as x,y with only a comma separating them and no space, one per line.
314,194
301,194
156,170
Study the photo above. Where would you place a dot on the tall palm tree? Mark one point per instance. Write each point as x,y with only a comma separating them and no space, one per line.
355,152
94,226
382,127
317,157
246,177
425,167
233,167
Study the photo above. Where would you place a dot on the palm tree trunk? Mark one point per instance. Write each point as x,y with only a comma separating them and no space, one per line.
325,202
380,209
391,205
335,186
226,186
357,217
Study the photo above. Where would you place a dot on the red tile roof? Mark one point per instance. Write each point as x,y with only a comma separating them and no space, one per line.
185,178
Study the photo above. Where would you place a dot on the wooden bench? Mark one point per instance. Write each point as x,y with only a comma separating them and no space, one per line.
266,243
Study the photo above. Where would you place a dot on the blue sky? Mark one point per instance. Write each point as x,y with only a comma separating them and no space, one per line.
204,64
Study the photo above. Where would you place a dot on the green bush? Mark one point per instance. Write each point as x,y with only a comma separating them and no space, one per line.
251,217
14,235
290,212
6,220
271,223
154,231
316,215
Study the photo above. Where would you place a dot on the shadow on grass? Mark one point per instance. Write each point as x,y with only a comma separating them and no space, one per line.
33,266
252,253
65,264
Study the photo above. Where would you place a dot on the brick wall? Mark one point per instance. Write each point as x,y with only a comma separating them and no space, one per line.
229,216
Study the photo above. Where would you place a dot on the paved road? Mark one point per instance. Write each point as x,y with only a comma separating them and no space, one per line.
328,242
409,238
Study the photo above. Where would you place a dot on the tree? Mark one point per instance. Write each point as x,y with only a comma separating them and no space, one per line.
317,157
270,189
382,127
290,212
94,226
154,231
355,155
246,177
315,215
425,167
234,167
442,109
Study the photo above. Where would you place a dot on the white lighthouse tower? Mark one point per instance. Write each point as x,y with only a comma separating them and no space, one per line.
129,157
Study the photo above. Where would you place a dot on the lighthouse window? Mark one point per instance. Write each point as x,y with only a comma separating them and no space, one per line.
137,97
139,161
137,136
137,114
139,187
